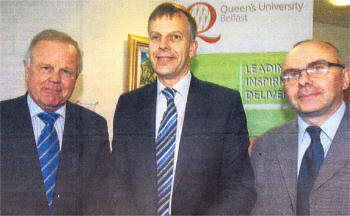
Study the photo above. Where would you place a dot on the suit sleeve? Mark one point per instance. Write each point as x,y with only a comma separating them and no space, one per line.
121,200
95,198
237,178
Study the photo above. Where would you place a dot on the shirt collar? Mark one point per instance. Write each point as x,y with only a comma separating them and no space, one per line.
329,127
180,87
34,109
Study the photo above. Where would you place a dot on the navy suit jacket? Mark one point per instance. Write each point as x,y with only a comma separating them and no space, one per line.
213,173
85,141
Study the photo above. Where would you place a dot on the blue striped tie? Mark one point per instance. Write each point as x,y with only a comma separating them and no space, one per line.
165,153
48,151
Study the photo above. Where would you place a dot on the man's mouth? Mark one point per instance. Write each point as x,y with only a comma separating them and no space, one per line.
165,59
52,90
308,96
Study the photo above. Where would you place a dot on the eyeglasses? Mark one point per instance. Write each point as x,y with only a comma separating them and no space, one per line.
313,70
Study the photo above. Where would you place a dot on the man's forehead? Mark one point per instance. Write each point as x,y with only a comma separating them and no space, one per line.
43,47
309,52
170,17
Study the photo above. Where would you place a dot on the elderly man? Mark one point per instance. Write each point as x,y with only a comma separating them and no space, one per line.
303,166
49,146
180,144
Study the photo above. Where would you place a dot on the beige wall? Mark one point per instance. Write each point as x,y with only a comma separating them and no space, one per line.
338,36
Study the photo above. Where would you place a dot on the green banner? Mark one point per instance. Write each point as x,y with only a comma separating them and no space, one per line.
257,77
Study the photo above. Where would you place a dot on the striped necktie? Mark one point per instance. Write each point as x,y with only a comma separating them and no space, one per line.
48,150
309,170
165,153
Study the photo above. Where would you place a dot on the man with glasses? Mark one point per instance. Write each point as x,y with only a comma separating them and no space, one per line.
303,166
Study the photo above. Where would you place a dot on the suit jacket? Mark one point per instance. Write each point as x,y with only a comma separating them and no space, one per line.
274,160
213,173
85,141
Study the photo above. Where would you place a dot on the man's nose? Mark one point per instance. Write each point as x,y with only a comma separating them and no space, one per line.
55,76
164,43
304,78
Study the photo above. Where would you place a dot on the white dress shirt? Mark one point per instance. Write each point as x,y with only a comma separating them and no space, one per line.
329,128
181,91
38,124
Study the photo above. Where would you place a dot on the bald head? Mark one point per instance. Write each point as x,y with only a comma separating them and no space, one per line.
311,51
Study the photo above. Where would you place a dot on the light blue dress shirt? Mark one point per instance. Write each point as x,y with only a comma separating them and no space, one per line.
38,124
329,129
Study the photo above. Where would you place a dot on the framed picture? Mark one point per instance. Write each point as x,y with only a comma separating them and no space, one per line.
139,71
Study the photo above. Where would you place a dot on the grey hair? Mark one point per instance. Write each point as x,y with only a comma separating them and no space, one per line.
54,35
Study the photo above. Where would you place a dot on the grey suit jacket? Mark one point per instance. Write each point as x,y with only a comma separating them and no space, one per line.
274,160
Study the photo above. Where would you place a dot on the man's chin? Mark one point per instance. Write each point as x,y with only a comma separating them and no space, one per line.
51,107
313,112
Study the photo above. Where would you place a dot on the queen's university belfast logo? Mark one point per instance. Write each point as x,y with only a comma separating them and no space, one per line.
205,16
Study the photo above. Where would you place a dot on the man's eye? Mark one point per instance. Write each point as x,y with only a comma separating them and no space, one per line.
45,68
67,72
154,37
320,67
176,37
292,73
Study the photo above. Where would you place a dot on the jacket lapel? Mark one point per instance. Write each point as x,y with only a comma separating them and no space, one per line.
146,110
27,132
338,153
69,155
287,158
30,150
193,106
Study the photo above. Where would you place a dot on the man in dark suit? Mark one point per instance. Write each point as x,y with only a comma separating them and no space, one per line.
46,166
180,144
303,167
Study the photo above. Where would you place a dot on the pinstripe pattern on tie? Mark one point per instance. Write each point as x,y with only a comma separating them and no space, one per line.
165,153
48,151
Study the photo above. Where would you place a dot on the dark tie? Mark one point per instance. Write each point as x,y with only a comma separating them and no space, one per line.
309,169
165,153
49,154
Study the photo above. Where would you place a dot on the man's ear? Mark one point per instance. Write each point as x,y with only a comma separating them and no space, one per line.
26,69
346,78
193,48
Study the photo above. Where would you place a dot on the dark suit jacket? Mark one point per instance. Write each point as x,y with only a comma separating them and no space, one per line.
213,173
274,160
85,140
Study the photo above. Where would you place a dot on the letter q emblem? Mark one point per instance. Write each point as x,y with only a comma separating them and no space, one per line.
205,16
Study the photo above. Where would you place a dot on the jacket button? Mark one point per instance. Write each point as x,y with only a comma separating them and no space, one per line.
58,196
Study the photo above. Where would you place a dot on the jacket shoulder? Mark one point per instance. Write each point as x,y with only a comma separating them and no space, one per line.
83,112
13,102
274,136
213,88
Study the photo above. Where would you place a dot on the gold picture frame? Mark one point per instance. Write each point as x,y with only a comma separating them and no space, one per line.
139,71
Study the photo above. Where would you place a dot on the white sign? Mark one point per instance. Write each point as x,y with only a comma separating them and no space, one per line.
243,26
